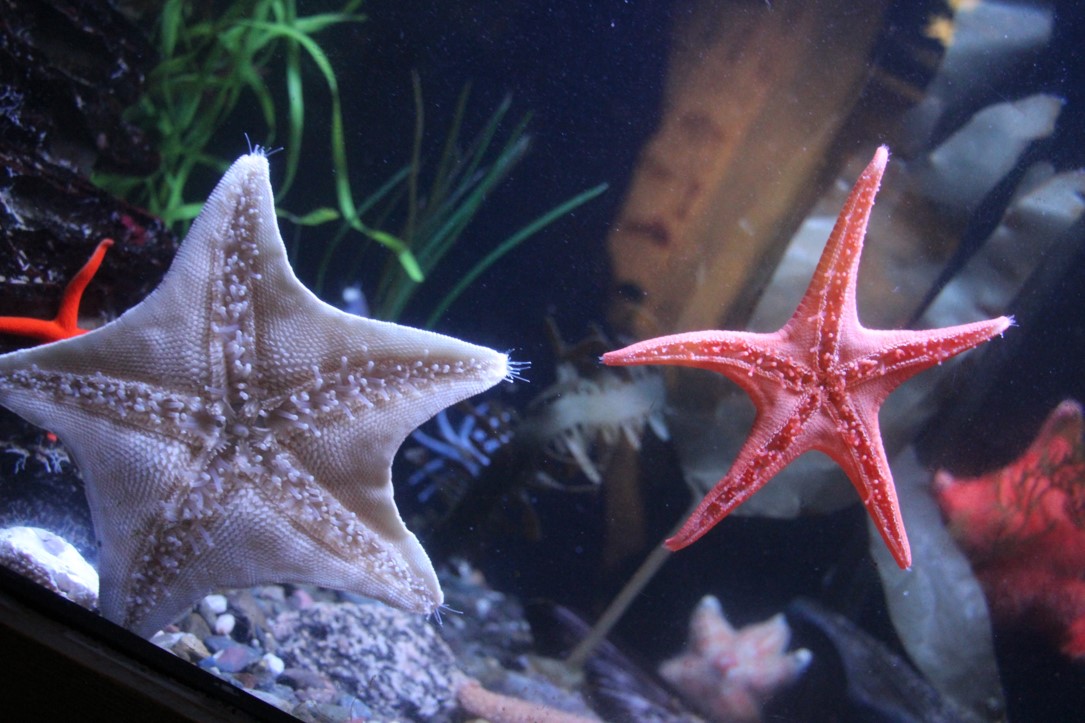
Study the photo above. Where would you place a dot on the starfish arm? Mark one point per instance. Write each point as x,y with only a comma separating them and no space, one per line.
157,336
896,356
828,306
778,437
123,480
65,324
857,448
387,381
44,330
304,534
68,315
749,359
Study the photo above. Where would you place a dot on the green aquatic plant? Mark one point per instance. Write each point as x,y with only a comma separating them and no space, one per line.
433,222
208,65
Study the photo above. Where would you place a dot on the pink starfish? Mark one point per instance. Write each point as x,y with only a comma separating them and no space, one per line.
729,673
818,382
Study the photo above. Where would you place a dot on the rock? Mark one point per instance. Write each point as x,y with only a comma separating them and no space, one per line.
233,659
224,624
190,648
309,685
270,593
196,625
322,713
492,624
391,660
302,678
51,562
251,611
63,116
299,599
272,664
164,640
211,606
215,643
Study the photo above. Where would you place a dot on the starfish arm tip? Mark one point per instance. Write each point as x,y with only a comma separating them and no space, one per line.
514,370
68,315
612,358
887,520
694,528
991,328
674,544
881,155
901,551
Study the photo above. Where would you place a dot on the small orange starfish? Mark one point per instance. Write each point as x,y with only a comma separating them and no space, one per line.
65,324
818,382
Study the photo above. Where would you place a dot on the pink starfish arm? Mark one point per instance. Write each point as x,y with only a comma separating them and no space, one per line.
780,431
66,323
818,382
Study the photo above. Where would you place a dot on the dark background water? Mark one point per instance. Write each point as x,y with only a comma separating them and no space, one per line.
590,76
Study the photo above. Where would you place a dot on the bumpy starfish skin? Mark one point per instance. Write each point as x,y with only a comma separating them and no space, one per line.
818,382
233,429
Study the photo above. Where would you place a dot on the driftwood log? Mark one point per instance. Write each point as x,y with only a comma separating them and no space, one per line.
756,95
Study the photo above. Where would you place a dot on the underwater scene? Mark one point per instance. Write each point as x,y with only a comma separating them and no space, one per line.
714,360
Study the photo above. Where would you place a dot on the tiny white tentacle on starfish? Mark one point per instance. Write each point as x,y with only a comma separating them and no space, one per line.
233,429
818,382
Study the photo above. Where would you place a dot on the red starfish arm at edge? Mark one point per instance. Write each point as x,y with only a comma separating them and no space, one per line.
65,324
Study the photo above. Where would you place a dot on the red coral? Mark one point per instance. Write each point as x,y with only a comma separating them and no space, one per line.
1023,528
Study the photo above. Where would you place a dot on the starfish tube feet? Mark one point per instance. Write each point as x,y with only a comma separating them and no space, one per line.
818,382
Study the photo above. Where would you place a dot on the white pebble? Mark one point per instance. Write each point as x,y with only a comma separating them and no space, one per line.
213,605
273,663
224,624
166,641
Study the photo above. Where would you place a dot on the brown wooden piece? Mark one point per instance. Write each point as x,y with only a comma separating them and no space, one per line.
756,95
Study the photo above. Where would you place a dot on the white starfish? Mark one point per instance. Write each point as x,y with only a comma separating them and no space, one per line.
233,429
